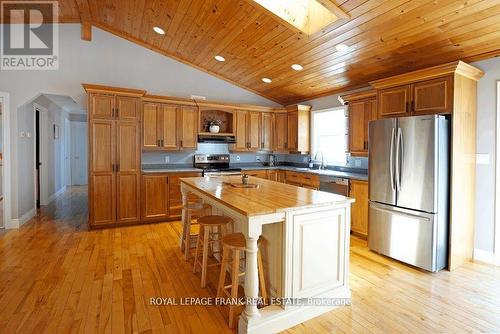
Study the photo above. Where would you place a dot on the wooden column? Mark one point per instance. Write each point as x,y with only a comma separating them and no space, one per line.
251,278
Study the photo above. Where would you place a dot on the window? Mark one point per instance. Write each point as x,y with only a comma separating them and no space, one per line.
329,136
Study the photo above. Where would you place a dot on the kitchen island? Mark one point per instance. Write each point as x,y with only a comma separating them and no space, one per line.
307,233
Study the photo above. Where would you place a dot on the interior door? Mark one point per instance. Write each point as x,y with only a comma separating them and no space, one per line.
381,161
79,153
128,171
102,177
416,157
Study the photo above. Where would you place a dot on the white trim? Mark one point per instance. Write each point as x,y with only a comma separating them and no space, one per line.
496,247
485,256
57,194
313,112
7,161
17,223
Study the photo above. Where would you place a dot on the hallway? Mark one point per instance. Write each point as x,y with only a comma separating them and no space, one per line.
58,277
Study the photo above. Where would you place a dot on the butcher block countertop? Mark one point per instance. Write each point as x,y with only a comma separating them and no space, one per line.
269,198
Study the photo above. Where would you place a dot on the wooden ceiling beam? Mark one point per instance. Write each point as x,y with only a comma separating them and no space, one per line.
86,27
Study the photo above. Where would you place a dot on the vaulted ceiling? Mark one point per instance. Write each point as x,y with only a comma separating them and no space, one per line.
385,37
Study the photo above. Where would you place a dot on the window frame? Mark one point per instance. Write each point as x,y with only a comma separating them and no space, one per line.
344,108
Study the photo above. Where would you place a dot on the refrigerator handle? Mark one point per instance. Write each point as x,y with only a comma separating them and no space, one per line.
391,160
399,149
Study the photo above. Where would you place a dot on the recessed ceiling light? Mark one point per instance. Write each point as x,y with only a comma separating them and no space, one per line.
341,47
220,58
159,30
267,80
297,67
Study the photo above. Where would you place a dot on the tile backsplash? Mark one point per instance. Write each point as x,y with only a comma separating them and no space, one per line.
207,148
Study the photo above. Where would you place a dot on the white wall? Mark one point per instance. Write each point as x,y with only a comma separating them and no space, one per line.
486,132
107,60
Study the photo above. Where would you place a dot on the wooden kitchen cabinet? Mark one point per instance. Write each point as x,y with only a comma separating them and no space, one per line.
160,127
267,135
188,126
175,195
272,175
281,132
432,96
305,180
394,101
298,136
359,209
248,131
362,110
114,155
256,173
154,196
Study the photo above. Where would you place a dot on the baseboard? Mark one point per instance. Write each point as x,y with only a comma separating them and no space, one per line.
18,222
486,257
55,195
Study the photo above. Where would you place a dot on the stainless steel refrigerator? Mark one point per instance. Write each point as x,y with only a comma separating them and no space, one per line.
409,189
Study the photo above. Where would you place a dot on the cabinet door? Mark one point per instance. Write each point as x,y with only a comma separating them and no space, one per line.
241,131
267,131
128,171
293,128
168,127
149,126
357,127
272,175
394,101
281,132
188,128
253,130
432,96
154,197
128,108
175,196
359,209
101,106
102,186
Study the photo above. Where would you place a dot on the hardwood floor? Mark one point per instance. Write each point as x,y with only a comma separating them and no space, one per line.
58,277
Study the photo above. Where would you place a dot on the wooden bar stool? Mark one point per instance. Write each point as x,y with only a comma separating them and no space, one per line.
191,212
206,239
232,245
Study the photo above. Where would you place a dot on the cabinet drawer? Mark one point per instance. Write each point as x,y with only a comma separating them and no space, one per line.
293,177
310,180
256,173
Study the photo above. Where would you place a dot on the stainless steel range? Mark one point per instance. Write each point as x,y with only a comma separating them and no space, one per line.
215,165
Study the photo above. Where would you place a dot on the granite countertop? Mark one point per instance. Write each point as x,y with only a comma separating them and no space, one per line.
355,174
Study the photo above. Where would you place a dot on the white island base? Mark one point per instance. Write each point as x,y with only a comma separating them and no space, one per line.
307,232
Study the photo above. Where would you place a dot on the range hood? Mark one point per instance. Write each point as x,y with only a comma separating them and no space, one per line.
216,139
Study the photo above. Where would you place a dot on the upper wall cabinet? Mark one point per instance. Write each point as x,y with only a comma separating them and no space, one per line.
281,132
432,96
362,110
298,137
188,127
248,131
267,133
394,101
160,127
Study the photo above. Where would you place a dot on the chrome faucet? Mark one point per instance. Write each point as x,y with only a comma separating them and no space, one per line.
322,165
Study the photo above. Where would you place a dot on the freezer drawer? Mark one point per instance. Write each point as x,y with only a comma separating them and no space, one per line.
408,236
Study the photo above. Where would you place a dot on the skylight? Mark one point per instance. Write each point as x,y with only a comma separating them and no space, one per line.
309,16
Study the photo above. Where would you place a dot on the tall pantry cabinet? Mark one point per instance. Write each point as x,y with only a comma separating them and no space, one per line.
114,116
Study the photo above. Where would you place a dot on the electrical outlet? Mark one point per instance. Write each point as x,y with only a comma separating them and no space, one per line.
238,158
357,163
167,159
198,97
257,158
305,159
22,134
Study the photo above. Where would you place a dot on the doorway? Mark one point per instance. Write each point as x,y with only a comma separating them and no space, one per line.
5,177
40,137
37,157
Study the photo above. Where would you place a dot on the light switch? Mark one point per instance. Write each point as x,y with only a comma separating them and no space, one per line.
167,159
482,159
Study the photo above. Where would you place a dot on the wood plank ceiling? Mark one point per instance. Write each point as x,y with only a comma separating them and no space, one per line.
385,37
